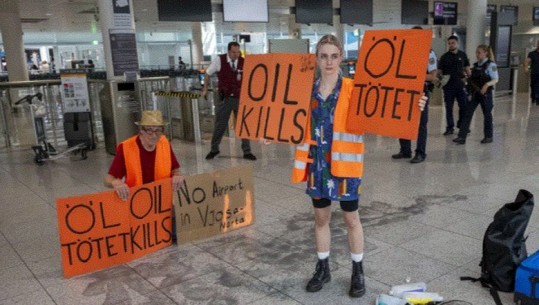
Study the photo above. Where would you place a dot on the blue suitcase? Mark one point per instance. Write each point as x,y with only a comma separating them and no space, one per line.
527,281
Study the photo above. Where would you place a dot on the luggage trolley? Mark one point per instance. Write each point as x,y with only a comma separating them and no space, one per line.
44,151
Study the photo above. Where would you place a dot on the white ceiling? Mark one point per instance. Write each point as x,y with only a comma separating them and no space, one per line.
82,15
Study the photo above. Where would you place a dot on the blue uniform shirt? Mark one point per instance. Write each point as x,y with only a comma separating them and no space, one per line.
433,62
492,69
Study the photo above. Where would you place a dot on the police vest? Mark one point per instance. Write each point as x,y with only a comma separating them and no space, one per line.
479,76
162,166
428,86
346,148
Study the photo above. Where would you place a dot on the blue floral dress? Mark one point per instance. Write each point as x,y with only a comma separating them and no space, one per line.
320,182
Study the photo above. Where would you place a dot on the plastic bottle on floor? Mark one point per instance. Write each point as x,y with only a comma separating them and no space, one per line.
422,298
384,299
399,290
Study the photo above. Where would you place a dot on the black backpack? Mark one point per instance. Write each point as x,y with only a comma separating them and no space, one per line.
504,245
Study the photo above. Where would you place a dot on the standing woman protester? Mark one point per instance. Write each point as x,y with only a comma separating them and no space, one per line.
331,162
480,84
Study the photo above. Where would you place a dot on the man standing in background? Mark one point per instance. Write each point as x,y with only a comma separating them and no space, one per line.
455,65
421,148
532,65
229,68
181,64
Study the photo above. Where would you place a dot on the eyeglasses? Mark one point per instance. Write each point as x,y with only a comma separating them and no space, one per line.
155,131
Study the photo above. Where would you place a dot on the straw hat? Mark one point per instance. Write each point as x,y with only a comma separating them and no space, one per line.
151,118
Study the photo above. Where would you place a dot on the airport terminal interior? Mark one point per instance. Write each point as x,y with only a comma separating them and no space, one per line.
422,222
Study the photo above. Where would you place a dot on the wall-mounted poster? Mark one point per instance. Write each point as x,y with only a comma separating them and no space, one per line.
445,13
123,47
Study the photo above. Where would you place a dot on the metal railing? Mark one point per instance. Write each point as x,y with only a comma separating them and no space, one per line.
191,117
145,88
16,125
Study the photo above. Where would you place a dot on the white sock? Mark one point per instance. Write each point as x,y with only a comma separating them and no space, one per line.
323,255
357,257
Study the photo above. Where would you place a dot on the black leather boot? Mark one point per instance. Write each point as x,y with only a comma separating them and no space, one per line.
357,287
320,277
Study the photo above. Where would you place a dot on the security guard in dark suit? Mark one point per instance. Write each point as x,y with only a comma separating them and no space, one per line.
454,64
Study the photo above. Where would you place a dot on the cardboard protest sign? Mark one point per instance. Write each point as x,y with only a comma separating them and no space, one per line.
389,79
214,203
100,230
275,97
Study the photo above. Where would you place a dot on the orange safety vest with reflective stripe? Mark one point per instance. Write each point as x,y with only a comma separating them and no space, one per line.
346,149
163,161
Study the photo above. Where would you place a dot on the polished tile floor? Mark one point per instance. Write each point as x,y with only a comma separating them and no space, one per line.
422,221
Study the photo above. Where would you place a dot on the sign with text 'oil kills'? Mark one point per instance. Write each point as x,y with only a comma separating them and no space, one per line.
214,203
100,230
389,81
275,97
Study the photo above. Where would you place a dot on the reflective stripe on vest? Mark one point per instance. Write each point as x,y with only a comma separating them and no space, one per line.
304,147
348,137
299,172
300,164
336,156
302,156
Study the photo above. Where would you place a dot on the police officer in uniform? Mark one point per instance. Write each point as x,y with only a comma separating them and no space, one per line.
406,145
229,68
454,64
480,84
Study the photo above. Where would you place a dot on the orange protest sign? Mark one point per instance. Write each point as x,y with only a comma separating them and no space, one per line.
275,96
100,230
389,80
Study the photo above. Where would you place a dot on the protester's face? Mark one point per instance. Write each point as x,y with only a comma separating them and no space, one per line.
453,45
234,52
480,54
329,58
149,135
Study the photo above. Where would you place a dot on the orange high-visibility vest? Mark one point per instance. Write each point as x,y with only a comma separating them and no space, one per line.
163,161
346,149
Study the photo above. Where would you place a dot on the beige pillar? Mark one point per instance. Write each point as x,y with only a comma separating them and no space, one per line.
196,44
476,13
10,26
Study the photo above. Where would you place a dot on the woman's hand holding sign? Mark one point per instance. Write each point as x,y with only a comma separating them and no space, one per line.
423,102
